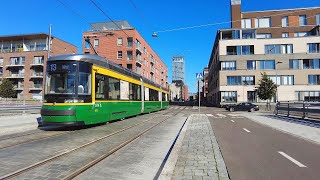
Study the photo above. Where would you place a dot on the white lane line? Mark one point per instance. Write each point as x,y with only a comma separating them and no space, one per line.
221,115
210,115
246,130
234,115
232,121
291,159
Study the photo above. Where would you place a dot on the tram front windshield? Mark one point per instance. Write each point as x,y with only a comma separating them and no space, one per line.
65,80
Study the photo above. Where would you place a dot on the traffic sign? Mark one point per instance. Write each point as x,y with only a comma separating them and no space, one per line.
199,75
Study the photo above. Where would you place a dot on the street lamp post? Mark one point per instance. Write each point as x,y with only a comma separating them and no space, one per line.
279,62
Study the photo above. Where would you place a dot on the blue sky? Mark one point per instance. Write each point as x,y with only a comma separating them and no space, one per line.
22,17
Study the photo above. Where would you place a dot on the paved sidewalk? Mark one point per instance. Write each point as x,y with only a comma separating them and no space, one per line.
18,123
199,157
306,132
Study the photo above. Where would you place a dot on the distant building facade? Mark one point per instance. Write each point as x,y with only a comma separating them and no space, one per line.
178,91
121,43
178,69
283,43
23,60
204,92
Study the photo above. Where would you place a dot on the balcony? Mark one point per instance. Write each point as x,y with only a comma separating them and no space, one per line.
36,87
37,75
18,64
18,87
37,64
16,76
139,48
152,69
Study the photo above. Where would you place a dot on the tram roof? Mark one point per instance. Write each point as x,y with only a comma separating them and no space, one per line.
98,60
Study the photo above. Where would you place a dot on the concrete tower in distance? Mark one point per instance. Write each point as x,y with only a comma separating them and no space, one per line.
178,69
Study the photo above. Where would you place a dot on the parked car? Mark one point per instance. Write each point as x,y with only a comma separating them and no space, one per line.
243,107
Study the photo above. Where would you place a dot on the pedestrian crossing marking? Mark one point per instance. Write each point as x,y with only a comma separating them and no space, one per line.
181,108
187,108
210,115
221,115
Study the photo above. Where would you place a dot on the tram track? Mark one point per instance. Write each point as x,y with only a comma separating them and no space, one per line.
70,151
4,144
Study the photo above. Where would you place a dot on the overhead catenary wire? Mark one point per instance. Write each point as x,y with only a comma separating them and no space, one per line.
105,14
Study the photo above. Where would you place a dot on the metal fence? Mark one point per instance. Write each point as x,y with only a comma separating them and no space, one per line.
11,106
304,110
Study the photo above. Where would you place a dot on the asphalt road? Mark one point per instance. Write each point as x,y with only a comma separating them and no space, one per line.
254,151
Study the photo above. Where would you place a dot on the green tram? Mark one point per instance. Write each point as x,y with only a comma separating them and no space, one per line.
88,89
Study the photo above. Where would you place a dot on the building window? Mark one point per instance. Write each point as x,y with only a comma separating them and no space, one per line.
245,23
130,42
285,35
129,66
301,34
282,79
240,50
228,65
267,64
314,79
308,95
248,34
234,34
240,80
229,96
318,19
86,44
119,41
119,55
302,20
96,43
264,36
293,64
262,22
279,49
38,60
285,21
314,47
252,96
129,55
251,65
311,63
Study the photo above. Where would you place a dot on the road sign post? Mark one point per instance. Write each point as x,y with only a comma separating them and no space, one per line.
199,77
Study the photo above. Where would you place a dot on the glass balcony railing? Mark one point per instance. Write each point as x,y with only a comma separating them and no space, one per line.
36,86
37,74
16,75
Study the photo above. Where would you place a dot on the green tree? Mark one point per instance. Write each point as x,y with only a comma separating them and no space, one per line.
7,89
266,89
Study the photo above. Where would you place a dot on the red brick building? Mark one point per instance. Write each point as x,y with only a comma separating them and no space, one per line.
23,61
122,44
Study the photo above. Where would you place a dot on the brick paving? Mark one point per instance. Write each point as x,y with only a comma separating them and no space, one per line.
200,156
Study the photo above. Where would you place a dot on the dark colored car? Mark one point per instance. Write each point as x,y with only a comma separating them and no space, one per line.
243,107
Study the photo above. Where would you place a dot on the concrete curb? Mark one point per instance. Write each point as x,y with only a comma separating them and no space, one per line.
168,169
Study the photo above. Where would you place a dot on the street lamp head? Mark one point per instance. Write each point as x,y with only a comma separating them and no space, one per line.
154,34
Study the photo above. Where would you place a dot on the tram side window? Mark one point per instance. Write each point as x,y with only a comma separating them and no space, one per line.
101,87
114,89
163,97
153,95
84,87
135,92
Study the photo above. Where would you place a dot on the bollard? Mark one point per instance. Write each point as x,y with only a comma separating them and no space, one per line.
288,110
304,111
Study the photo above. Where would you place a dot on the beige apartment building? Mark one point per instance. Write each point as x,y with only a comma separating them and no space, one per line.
23,60
285,44
120,43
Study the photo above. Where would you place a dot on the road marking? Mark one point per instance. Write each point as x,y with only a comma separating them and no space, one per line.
246,130
234,115
187,108
232,121
210,115
291,159
221,115
177,107
181,108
